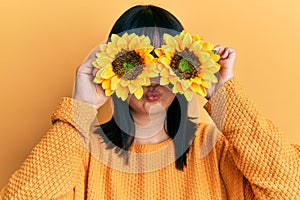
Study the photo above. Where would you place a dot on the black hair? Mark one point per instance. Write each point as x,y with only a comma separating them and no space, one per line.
149,17
153,22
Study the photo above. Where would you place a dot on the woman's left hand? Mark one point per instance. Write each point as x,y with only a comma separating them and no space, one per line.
227,60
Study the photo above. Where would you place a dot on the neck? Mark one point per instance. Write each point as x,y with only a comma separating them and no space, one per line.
149,128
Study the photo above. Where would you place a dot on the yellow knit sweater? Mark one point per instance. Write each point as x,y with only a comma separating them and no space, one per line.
248,159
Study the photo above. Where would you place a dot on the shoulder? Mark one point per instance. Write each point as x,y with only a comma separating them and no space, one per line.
53,167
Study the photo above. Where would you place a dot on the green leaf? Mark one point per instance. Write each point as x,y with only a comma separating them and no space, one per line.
128,66
184,65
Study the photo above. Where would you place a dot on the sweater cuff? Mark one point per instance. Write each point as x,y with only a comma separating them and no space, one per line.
77,113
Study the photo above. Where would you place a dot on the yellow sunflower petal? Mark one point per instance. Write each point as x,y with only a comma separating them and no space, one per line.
217,66
97,80
104,61
131,36
109,92
159,52
183,32
208,63
145,42
152,73
95,64
196,47
147,82
214,68
99,72
106,84
203,56
112,46
206,84
138,93
141,79
197,37
122,92
114,82
196,80
214,79
188,95
173,79
170,41
175,89
148,58
125,36
132,87
165,72
168,50
102,48
165,61
178,87
124,82
114,38
202,91
195,87
207,75
153,69
207,46
133,43
122,44
142,37
160,66
215,57
188,82
107,73
164,81
169,54
179,41
145,50
101,54
111,52
185,84
187,41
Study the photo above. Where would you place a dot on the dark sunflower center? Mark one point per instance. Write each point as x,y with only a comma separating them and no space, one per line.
128,64
183,67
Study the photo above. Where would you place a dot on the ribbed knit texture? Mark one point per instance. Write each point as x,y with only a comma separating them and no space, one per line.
248,159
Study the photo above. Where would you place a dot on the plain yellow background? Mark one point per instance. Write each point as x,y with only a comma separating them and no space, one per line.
43,42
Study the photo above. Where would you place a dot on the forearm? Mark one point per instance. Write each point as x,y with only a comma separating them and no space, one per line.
259,149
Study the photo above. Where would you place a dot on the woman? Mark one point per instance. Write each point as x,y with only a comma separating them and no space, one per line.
250,160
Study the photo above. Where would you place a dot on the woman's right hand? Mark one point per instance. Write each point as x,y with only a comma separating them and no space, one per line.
85,89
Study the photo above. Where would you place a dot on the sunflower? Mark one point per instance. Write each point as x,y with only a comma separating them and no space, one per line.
124,65
192,61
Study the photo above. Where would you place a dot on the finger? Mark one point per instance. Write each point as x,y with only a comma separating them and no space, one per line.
219,49
87,66
94,72
225,53
231,53
93,53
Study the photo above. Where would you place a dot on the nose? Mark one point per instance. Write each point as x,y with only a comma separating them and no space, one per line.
154,83
155,80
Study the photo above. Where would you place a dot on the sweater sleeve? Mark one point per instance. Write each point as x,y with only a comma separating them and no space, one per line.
256,146
53,166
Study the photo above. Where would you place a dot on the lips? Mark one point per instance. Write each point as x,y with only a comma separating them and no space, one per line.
152,96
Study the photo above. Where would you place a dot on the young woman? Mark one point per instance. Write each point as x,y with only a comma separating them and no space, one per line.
151,148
